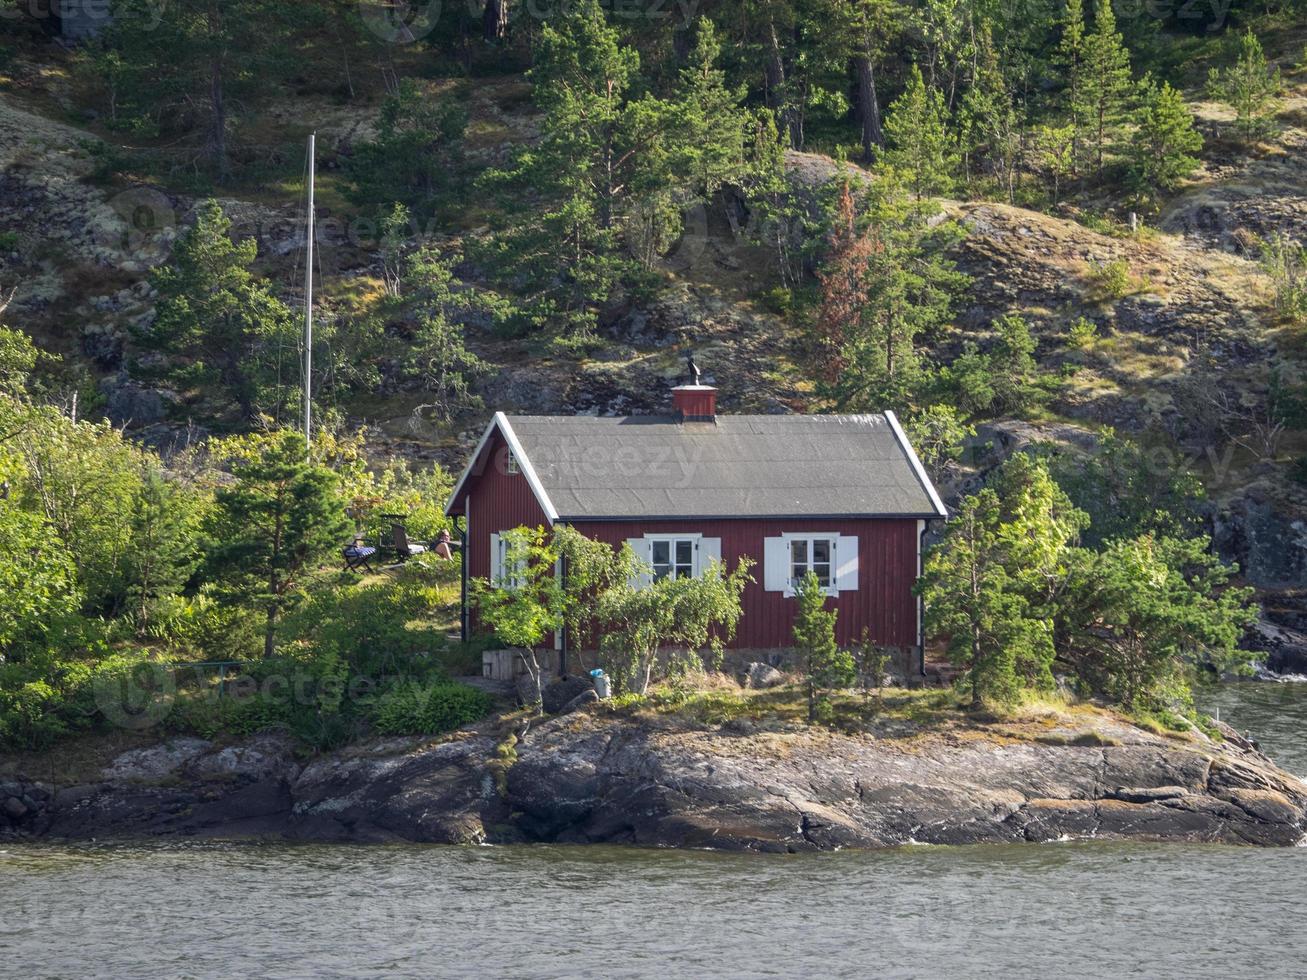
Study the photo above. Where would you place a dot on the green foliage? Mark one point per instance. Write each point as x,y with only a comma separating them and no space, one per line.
937,433
282,515
638,620
1159,151
376,631
1082,334
1128,492
1139,618
1249,87
416,158
434,352
38,583
988,584
220,326
1104,85
885,282
85,480
825,665
917,138
1054,156
418,495
1111,277
416,709
1285,261
599,197
1001,381
164,532
174,67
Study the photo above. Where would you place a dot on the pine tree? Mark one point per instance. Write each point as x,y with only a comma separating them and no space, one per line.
846,286
223,328
1248,86
825,665
283,514
916,131
190,58
878,316
1159,151
988,124
597,198
990,584
1106,83
1070,56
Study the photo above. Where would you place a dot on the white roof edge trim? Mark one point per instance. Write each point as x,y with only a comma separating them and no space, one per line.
472,461
917,468
500,422
527,469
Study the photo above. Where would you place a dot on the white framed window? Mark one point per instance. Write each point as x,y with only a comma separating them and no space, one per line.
506,571
510,465
674,557
816,555
831,556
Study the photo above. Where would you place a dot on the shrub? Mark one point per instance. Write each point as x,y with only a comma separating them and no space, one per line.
1082,334
1112,278
414,709
29,716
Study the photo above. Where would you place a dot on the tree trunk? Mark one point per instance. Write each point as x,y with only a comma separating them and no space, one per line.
682,38
270,633
217,143
494,21
775,88
868,106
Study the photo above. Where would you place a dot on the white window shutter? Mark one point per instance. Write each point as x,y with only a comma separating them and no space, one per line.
642,551
775,565
846,563
710,550
496,561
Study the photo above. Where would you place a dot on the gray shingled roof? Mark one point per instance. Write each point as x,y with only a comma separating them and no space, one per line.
739,466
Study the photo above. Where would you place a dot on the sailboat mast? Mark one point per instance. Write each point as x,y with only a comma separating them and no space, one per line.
308,301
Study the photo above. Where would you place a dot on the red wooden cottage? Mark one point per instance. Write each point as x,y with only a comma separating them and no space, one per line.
841,495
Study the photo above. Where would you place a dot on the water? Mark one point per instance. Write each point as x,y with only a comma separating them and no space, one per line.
1065,910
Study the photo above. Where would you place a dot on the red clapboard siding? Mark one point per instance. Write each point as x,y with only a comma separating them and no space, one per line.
496,501
887,571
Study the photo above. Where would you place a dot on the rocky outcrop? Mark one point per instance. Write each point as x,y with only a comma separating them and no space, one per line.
596,777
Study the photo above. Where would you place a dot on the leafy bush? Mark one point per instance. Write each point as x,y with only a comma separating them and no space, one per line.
29,716
415,709
1082,334
1112,278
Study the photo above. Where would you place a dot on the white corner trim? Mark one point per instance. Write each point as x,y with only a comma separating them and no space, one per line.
524,464
500,422
920,470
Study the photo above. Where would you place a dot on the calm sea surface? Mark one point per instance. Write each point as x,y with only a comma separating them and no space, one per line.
1057,910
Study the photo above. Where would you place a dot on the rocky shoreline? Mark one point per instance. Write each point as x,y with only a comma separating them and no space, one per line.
598,777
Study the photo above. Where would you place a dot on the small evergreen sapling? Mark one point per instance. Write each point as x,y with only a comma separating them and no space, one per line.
825,665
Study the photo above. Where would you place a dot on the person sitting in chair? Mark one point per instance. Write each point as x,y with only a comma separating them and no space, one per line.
442,546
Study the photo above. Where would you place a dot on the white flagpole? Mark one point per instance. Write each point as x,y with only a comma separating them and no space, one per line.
308,302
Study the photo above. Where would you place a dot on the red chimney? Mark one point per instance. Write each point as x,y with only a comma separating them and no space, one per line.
695,403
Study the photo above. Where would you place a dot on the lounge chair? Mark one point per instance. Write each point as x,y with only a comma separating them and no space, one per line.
404,549
358,556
